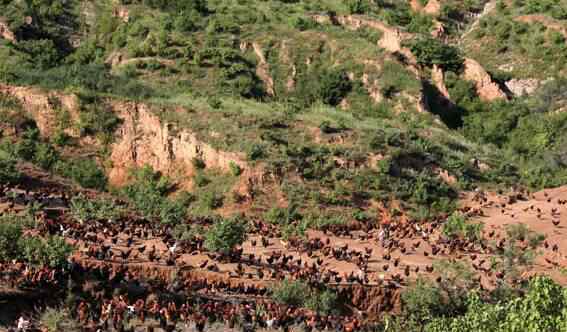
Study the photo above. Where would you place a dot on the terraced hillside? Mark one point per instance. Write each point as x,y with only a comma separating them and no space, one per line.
344,164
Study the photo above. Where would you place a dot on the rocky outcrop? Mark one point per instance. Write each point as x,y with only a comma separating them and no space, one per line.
285,58
416,5
391,37
263,68
143,139
118,60
42,106
522,87
488,8
438,78
433,7
5,31
373,85
487,90
122,13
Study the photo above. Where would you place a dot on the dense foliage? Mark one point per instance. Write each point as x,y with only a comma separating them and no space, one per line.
225,234
52,251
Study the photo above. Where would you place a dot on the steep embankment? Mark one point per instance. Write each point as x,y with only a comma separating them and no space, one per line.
141,139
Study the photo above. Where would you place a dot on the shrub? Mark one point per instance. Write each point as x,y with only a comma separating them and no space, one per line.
422,302
543,307
256,152
52,252
282,216
324,303
8,170
45,156
10,233
420,23
291,292
515,256
85,172
95,119
172,212
42,52
148,193
235,170
85,209
212,200
457,226
198,163
54,320
358,6
431,52
201,180
225,234
298,293
335,85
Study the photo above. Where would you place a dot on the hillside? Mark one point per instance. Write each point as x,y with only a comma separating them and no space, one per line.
363,164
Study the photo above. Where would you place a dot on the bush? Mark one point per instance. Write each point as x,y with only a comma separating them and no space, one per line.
431,52
201,180
198,163
55,320
235,170
457,226
358,6
42,52
256,152
297,293
335,85
148,193
422,303
85,209
85,172
10,233
282,216
291,292
324,303
212,200
52,252
95,118
8,170
225,234
542,308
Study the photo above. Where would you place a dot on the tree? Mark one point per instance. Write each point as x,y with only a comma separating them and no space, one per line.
224,235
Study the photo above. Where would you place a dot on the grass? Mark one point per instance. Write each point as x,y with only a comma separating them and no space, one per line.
58,319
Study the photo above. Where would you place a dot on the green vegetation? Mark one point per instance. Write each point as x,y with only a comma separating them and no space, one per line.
519,251
51,251
525,50
85,209
8,171
542,308
457,226
299,294
529,133
148,194
431,52
321,125
58,319
225,234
